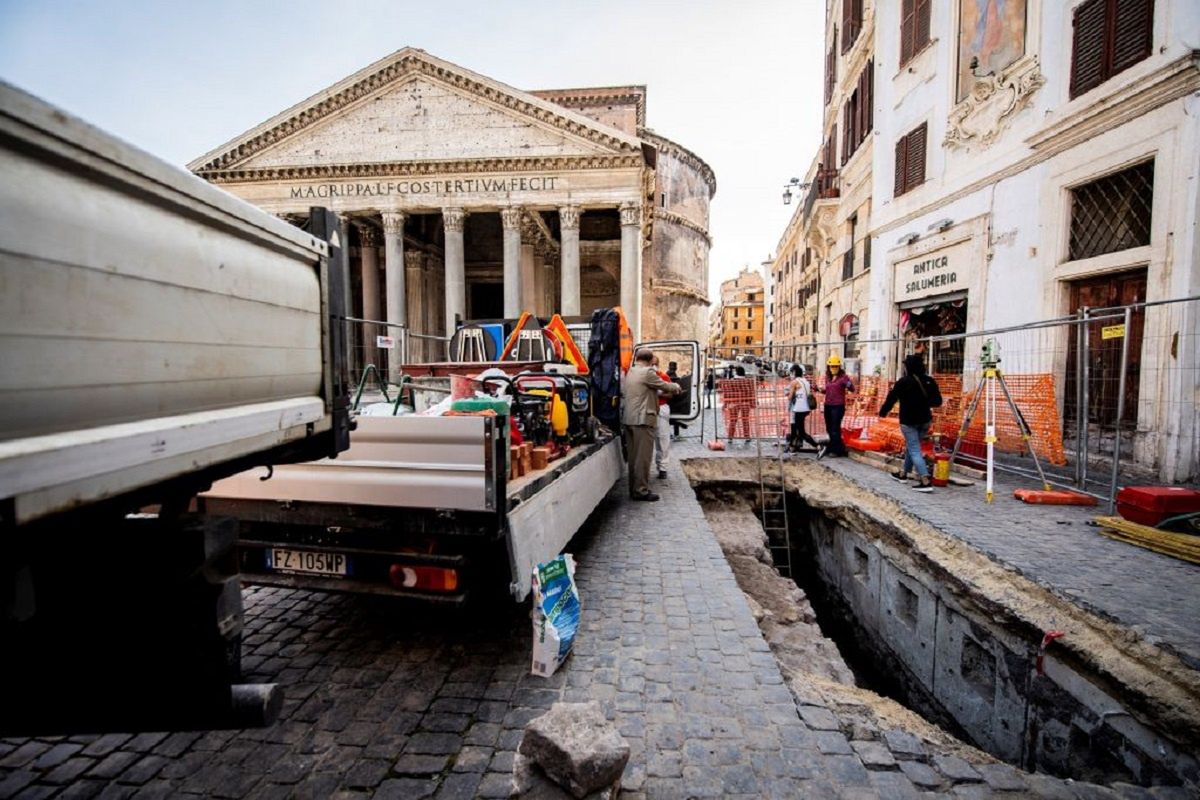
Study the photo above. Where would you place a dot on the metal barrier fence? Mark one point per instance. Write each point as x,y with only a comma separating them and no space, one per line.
386,346
1109,396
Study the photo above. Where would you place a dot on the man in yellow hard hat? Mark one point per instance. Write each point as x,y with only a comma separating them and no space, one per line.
837,383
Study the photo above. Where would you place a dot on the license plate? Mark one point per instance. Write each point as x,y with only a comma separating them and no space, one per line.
306,561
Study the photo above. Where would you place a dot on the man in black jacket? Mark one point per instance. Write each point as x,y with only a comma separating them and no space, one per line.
917,393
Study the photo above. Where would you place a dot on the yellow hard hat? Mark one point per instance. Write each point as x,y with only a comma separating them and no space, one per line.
834,361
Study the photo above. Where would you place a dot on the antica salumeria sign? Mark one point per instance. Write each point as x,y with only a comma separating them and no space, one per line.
528,183
937,272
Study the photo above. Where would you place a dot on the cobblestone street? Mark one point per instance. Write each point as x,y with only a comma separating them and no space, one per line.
396,702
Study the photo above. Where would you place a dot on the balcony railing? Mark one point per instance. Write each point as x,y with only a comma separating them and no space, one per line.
825,186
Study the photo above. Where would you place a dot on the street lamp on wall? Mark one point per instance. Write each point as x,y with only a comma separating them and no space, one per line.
787,189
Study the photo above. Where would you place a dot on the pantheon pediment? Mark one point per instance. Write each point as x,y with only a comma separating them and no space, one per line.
412,107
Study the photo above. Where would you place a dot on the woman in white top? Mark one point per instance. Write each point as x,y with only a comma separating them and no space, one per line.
798,394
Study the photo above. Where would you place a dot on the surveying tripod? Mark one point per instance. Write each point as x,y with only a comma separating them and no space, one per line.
989,359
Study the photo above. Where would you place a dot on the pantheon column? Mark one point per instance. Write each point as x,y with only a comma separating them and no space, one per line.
510,218
393,268
368,235
631,273
529,279
568,222
414,264
456,268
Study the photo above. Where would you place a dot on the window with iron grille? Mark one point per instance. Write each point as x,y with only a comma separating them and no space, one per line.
1112,213
852,14
914,28
831,67
910,160
1109,36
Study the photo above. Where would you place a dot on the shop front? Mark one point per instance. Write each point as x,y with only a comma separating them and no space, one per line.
931,296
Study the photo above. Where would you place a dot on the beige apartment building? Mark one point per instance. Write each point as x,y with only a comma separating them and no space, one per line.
738,325
821,271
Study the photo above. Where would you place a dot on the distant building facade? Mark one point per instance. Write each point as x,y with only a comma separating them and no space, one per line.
740,320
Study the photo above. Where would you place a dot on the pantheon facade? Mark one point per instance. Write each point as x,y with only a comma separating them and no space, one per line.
466,199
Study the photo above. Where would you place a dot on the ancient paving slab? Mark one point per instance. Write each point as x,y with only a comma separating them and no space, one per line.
1053,545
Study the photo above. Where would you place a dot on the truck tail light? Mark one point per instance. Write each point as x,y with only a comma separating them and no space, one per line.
427,579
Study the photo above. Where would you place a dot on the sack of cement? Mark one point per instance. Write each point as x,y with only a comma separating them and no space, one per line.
555,613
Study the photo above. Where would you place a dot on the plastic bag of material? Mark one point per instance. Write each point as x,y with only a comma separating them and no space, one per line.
556,610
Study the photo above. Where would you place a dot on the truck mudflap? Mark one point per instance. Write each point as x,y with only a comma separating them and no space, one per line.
541,525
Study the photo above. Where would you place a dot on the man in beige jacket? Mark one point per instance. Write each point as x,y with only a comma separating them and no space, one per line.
639,415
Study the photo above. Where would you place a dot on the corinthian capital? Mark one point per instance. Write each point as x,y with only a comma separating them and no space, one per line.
568,217
453,219
631,214
368,234
414,259
393,222
510,218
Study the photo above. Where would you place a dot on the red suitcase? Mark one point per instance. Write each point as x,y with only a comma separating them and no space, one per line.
1150,505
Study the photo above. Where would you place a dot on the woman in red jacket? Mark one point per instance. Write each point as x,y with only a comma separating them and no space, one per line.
837,383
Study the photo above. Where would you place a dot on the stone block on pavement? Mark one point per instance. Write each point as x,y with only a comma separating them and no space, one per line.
577,747
531,783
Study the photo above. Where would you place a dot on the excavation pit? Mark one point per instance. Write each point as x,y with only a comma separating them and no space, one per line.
898,625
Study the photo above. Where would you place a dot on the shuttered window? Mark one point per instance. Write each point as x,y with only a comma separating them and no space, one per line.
910,161
1109,36
829,157
852,14
914,28
831,68
858,115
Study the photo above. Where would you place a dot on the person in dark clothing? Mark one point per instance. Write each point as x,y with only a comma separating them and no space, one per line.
710,385
673,376
837,383
917,393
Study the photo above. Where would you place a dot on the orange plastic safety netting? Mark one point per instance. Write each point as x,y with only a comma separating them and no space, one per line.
754,409
1033,395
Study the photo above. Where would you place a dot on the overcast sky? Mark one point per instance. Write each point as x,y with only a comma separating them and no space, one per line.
736,81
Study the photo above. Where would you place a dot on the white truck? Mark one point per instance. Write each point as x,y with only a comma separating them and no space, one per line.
422,507
156,334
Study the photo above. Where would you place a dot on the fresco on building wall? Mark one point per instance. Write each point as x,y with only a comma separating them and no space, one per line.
992,31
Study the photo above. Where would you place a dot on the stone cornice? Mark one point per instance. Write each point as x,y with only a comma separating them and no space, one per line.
598,96
423,168
1173,81
400,66
679,219
668,286
681,153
